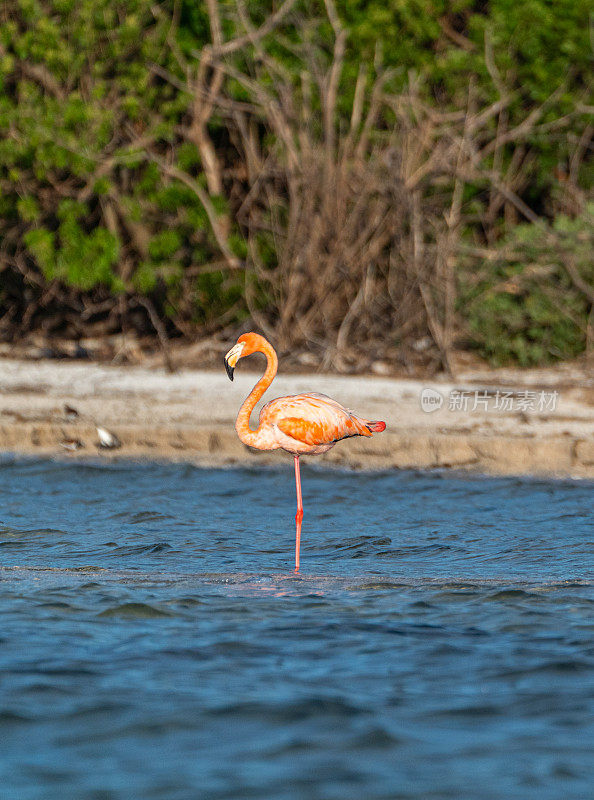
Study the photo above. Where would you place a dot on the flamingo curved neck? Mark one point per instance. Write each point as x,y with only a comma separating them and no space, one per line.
242,424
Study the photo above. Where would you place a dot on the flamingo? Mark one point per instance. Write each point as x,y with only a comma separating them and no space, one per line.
300,424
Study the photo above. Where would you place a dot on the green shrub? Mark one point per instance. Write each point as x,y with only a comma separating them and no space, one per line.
81,102
528,307
92,104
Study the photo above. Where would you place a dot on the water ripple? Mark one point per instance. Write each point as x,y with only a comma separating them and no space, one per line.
157,643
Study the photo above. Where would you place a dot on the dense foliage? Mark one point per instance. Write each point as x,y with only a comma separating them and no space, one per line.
540,49
532,304
124,204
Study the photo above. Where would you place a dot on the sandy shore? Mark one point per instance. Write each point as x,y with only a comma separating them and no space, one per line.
499,422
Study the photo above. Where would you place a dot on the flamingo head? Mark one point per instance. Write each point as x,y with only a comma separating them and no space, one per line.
247,344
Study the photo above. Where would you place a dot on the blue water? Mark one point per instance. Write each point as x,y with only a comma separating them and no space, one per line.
155,642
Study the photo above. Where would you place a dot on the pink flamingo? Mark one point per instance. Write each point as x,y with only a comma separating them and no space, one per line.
300,424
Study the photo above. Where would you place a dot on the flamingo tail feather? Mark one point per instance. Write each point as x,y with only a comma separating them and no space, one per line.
376,427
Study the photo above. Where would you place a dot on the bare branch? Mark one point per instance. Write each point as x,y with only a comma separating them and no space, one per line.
219,49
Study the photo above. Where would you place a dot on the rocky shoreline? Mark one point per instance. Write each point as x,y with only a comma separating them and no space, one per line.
537,423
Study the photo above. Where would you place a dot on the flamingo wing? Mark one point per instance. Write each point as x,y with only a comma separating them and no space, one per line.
313,419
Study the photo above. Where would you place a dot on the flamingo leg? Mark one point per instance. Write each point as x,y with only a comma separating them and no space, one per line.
299,514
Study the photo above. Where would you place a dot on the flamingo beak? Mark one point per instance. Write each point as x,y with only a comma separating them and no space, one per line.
229,369
232,357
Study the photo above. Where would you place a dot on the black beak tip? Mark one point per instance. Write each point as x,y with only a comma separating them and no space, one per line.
228,368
